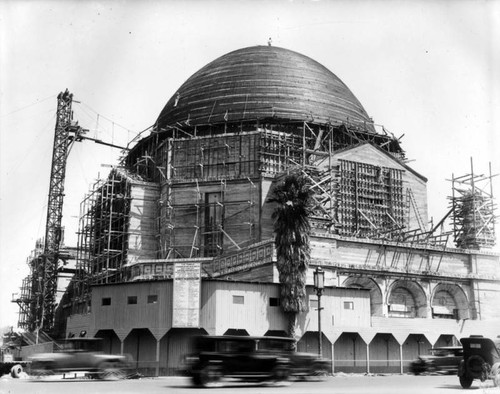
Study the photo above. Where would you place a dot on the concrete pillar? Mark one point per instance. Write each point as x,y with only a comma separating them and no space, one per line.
401,357
157,357
122,346
333,357
367,358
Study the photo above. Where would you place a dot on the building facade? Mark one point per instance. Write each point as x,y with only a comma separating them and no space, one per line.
178,239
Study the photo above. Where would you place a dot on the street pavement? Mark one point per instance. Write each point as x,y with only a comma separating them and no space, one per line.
338,384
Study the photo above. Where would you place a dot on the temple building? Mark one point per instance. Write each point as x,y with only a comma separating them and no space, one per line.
178,239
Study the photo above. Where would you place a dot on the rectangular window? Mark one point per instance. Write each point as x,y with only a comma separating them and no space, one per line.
273,301
238,299
132,300
349,305
152,299
313,303
106,301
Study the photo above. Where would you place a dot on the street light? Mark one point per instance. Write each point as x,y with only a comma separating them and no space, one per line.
319,285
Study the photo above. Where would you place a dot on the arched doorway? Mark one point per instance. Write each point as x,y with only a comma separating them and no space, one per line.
407,299
449,302
376,302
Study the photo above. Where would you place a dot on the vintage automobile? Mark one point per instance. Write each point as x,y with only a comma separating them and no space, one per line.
481,360
442,360
82,355
302,365
248,358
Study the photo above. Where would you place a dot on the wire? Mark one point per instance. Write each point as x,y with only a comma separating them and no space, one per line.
34,144
108,119
27,106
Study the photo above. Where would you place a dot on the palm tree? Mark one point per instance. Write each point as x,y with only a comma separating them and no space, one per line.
292,229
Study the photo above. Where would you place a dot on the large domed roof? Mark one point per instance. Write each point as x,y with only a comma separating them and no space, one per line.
263,82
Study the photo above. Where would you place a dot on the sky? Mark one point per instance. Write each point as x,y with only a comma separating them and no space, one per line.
426,71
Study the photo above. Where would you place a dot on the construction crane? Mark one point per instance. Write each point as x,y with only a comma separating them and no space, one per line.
38,303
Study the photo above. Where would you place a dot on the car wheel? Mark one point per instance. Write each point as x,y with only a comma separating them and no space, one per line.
111,371
210,376
475,366
318,372
280,373
465,382
16,371
496,377
431,369
43,371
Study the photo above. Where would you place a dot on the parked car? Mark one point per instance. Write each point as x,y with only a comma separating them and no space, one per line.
481,360
442,359
80,355
247,358
302,365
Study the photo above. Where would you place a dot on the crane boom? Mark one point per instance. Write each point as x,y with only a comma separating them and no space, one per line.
63,140
38,300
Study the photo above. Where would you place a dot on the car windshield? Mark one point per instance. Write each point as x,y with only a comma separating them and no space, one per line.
276,345
443,352
80,345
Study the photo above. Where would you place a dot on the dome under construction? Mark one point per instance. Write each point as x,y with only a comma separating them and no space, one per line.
265,88
263,82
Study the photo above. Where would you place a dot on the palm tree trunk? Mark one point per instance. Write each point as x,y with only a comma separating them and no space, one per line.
292,320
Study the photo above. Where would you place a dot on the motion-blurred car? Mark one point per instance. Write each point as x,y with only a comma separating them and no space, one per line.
442,359
249,358
302,365
481,360
80,355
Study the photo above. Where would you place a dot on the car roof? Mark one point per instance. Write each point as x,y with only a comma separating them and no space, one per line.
81,340
447,348
246,338
492,343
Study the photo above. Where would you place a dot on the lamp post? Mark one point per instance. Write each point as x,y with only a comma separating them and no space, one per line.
319,285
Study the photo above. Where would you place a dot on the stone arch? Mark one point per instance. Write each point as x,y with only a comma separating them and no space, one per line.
376,301
450,301
406,299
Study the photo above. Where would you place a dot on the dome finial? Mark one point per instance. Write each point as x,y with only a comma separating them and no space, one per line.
269,41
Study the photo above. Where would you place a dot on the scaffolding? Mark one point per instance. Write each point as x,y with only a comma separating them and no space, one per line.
473,210
281,139
195,209
29,298
102,237
202,223
116,229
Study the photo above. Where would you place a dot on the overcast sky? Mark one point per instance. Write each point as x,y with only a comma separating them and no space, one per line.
428,70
